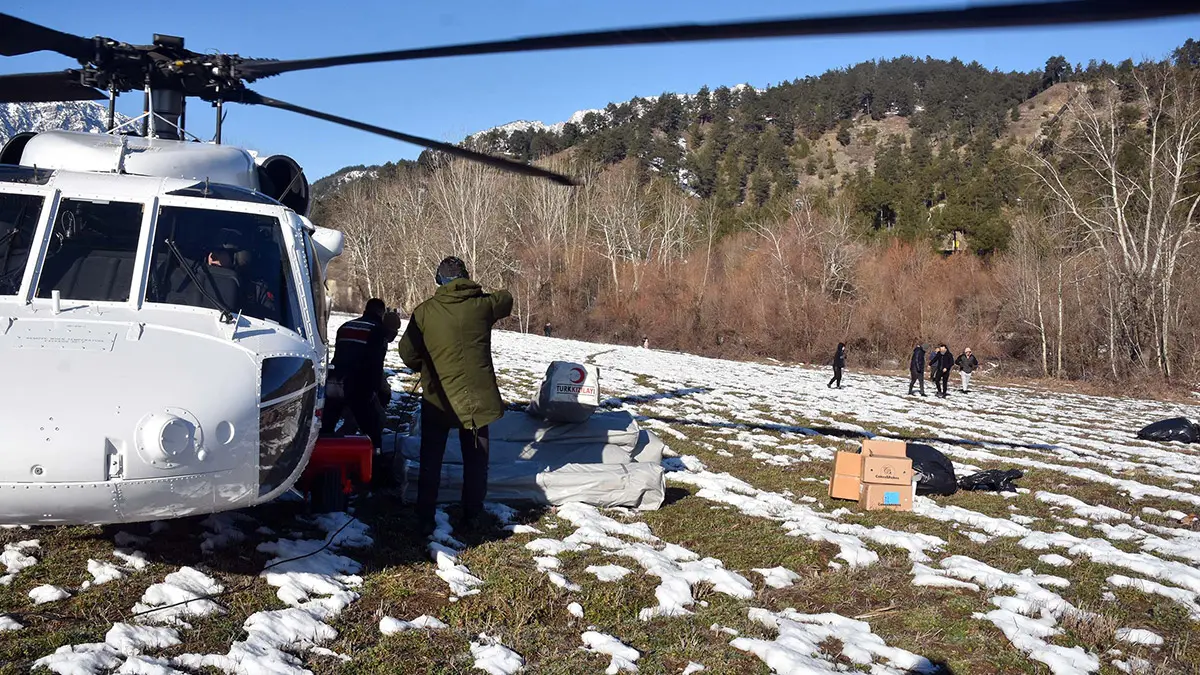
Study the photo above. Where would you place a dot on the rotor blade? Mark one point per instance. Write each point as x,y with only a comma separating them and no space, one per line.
987,16
501,163
18,36
46,87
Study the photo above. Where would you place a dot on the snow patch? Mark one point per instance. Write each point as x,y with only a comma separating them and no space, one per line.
494,658
797,649
47,593
607,572
623,657
181,595
103,572
1139,636
777,577
15,557
389,625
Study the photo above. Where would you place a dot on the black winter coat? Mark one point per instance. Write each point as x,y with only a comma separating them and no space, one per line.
941,363
966,363
359,352
839,359
917,363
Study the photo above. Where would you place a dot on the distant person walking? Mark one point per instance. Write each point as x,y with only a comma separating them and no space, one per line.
916,369
967,363
449,342
645,342
546,329
939,365
839,362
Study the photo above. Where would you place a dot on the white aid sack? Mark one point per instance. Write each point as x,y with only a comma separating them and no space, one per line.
570,392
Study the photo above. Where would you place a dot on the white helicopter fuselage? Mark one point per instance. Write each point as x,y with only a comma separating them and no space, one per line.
150,369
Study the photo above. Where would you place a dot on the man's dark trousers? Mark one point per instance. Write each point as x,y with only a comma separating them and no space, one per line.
942,379
916,377
435,429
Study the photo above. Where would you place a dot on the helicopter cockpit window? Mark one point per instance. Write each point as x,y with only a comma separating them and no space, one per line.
18,221
232,262
92,250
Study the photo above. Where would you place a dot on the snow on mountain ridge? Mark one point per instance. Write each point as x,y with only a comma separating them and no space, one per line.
86,116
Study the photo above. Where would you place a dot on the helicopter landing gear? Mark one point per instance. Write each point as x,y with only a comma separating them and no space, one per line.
337,467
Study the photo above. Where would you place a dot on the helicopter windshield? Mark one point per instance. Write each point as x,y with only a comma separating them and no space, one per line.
224,260
92,250
18,221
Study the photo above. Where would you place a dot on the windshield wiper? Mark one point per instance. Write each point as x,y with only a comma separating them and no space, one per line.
226,313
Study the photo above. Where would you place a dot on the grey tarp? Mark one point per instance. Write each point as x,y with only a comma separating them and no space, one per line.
636,486
605,438
605,461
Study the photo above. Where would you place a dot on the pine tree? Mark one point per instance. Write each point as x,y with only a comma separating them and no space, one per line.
703,106
843,134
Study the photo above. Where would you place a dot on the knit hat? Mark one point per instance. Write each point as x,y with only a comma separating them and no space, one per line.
450,269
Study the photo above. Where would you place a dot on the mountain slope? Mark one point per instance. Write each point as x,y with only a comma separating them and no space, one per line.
70,115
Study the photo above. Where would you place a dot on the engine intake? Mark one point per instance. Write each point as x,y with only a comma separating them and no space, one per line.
281,178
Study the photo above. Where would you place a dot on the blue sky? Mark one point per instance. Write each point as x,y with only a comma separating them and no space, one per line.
450,98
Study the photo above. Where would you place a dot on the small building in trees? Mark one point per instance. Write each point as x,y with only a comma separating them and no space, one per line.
953,242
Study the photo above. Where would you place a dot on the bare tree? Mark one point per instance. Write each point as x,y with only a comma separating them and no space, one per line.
1126,173
617,209
467,198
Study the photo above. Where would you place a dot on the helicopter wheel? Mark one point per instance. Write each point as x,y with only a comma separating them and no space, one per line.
326,494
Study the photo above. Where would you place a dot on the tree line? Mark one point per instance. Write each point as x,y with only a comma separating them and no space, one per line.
1085,237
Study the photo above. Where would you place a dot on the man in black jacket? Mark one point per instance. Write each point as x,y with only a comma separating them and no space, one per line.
358,365
916,369
839,362
967,363
940,364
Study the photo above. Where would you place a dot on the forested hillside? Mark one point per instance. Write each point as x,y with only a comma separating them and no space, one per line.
780,221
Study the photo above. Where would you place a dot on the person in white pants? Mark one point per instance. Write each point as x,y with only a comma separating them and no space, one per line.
967,363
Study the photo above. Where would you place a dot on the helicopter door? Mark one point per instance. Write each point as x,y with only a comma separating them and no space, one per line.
19,215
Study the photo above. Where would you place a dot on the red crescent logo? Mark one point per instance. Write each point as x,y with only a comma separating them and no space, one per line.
578,375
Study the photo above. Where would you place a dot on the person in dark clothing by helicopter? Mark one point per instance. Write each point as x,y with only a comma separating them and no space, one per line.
916,369
839,362
358,367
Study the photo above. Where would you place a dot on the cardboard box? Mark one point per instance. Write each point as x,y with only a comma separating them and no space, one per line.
884,447
876,497
887,470
846,481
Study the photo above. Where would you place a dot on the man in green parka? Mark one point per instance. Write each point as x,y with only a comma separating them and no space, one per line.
449,342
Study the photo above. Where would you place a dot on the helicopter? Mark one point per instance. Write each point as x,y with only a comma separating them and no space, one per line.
176,286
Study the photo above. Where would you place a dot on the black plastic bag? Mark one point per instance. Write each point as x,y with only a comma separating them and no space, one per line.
934,471
993,480
1175,429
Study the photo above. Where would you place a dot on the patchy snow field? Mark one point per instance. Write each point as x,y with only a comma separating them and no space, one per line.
749,567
